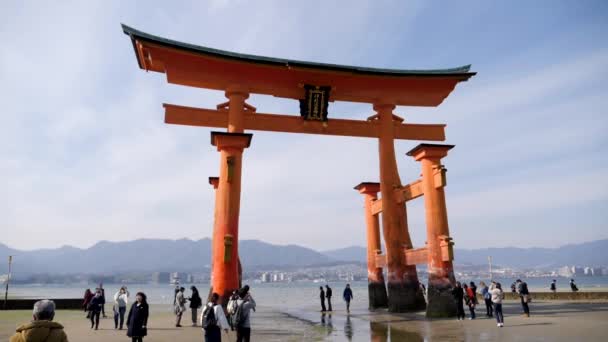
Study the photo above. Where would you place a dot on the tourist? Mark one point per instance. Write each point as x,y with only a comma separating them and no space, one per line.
175,292
458,294
41,328
573,286
231,308
553,286
513,288
195,303
348,296
322,297
328,294
180,307
487,298
469,297
121,299
497,296
95,306
88,295
138,318
213,320
242,317
524,295
103,300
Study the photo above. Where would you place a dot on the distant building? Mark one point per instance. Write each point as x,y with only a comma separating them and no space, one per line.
275,277
282,276
596,271
565,271
587,271
578,271
161,277
265,277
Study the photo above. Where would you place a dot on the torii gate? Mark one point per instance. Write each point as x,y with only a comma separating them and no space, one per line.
316,84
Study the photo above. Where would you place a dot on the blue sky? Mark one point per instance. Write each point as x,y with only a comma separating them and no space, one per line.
86,156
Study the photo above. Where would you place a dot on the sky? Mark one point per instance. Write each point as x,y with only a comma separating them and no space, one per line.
85,155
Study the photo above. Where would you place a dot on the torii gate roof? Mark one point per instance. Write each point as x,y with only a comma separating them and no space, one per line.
199,66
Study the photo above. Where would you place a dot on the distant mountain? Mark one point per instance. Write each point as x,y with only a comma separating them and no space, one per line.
152,255
149,255
593,253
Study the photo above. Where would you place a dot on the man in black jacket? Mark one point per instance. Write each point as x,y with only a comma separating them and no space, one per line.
322,297
328,296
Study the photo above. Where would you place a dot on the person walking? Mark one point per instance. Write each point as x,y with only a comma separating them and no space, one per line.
469,297
573,286
458,293
524,295
42,328
103,300
497,297
328,294
88,295
322,297
121,299
195,303
487,298
137,321
213,320
175,292
348,296
180,307
553,286
243,315
95,306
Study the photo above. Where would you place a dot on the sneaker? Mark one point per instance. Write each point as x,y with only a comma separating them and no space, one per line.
498,325
502,325
470,318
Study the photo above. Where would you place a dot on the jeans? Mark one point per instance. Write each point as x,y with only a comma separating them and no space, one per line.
137,339
95,319
243,334
498,312
488,307
213,334
348,305
120,314
472,310
194,317
460,310
525,306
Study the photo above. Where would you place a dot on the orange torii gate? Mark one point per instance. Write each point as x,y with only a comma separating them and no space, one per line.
315,85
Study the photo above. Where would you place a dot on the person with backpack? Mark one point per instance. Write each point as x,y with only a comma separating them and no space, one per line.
231,309
242,316
469,298
348,296
553,286
487,298
213,320
195,303
497,297
328,294
524,295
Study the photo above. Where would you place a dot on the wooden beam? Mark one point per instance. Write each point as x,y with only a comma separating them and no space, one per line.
410,191
404,194
413,256
180,115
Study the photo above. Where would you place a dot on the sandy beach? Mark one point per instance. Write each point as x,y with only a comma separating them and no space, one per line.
550,321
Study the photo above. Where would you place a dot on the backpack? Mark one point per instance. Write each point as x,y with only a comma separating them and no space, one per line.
238,318
209,319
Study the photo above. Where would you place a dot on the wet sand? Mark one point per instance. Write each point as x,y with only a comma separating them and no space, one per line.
550,321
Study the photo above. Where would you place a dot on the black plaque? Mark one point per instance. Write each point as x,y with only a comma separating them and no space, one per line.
315,102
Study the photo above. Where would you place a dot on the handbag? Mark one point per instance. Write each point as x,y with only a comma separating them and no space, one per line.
527,299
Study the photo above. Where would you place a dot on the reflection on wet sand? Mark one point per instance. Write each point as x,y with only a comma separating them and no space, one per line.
348,329
384,332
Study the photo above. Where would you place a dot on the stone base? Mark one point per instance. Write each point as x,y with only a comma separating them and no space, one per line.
377,295
441,302
405,297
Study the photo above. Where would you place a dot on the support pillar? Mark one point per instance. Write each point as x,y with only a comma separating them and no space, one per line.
439,244
404,293
376,287
225,274
214,182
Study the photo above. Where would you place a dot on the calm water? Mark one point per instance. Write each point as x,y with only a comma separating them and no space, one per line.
276,295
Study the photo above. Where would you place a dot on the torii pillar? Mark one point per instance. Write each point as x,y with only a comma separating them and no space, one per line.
376,288
225,273
404,293
439,244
